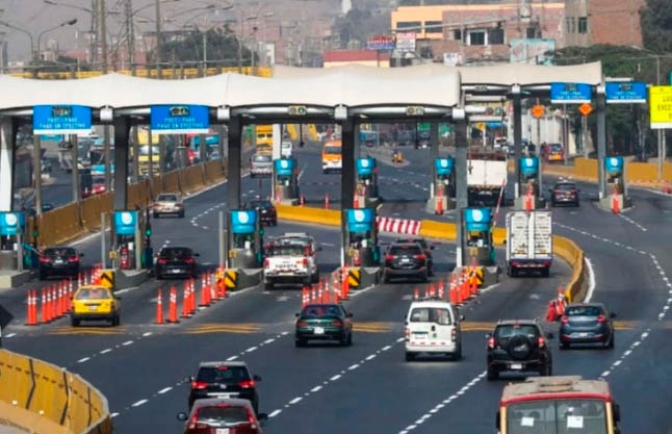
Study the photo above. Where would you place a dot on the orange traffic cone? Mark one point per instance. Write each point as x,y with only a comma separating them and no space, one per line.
159,307
30,320
186,310
172,307
615,204
326,201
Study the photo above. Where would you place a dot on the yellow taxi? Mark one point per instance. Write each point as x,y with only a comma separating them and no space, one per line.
95,303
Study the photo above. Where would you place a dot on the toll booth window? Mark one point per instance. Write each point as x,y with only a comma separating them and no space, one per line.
476,239
436,315
243,241
566,416
333,150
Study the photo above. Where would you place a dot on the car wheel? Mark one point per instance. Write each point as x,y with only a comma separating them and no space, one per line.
458,353
611,343
424,278
410,356
552,204
159,276
268,286
155,215
386,278
546,272
316,278
350,339
181,215
344,341
493,374
546,370
299,343
43,276
564,345
513,272
75,322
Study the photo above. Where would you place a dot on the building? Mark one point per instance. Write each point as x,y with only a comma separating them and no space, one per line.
482,32
591,22
359,57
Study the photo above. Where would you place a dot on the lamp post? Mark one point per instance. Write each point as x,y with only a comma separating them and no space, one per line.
70,22
25,32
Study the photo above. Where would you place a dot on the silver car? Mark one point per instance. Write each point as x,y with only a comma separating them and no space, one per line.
168,203
262,166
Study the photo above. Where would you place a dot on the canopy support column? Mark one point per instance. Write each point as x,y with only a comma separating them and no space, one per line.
7,146
233,173
122,133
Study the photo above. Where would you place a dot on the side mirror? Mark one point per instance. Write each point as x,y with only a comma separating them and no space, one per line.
550,335
256,378
197,254
262,417
349,315
462,317
617,413
319,249
488,335
297,315
188,379
612,315
182,416
81,255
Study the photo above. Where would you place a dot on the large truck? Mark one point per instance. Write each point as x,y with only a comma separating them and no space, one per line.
486,180
529,242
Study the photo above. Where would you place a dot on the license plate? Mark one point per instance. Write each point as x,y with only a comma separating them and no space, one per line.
516,366
93,308
222,431
420,336
175,271
58,261
583,335
220,395
405,260
318,331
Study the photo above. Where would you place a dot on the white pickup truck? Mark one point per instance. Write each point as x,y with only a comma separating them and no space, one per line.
291,260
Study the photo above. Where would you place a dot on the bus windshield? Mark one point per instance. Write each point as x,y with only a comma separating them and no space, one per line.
332,150
557,416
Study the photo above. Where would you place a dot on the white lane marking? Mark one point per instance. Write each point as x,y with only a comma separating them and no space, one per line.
176,385
274,413
127,343
85,359
632,222
335,378
431,412
113,415
11,335
591,280
664,279
249,350
106,350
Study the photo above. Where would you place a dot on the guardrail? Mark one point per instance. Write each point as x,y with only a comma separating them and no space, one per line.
38,397
565,248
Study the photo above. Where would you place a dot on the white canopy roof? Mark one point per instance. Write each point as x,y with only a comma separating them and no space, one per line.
505,74
349,88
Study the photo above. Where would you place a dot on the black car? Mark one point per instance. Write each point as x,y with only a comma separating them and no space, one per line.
564,193
323,322
586,323
267,212
176,262
426,247
59,262
46,207
406,260
518,346
230,379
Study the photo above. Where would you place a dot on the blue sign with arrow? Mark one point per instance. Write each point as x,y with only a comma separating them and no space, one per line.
571,93
180,119
626,93
61,119
125,222
360,220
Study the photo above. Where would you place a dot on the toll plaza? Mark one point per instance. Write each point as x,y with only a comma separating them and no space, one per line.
366,190
530,175
443,186
363,251
285,181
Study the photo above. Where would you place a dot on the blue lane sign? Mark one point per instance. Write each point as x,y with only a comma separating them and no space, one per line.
626,93
180,119
284,167
613,165
444,166
125,222
61,119
365,166
529,166
52,137
243,221
571,93
11,223
478,219
360,220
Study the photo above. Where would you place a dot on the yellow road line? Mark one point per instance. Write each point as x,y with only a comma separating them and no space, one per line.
216,326
219,330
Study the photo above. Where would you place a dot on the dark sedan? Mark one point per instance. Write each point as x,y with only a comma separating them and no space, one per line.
587,323
426,247
268,215
405,261
176,262
323,322
565,193
59,262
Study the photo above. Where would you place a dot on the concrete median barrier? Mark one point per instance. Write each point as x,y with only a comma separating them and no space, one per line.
41,398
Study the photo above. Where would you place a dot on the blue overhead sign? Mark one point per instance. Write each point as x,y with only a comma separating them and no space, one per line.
478,219
360,220
365,166
284,167
180,119
243,221
11,223
444,166
613,164
571,93
626,93
529,166
61,119
125,222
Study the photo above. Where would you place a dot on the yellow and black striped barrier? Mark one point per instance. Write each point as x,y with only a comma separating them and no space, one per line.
477,276
231,280
354,278
107,279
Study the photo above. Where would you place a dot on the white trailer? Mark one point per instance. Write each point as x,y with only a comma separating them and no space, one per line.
485,179
529,242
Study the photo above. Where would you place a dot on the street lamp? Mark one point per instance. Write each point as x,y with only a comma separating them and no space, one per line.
70,22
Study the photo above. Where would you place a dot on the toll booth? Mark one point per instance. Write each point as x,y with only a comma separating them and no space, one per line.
286,181
478,241
442,197
530,181
128,241
245,240
366,182
362,257
616,190
12,233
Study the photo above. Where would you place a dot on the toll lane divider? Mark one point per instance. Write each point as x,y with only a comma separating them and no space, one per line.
565,248
38,397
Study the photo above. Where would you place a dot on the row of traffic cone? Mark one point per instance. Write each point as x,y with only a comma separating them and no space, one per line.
326,291
52,303
210,292
461,289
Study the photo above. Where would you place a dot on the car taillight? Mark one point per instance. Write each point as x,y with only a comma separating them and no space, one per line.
564,319
193,422
407,333
491,343
45,259
247,384
73,259
162,261
389,257
453,335
420,257
573,191
601,318
541,342
302,324
189,260
336,323
199,385
304,262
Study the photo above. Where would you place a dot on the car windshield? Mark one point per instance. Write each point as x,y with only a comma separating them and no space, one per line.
508,331
438,315
176,251
555,147
261,204
332,150
562,416
222,374
262,159
405,250
99,180
319,311
420,241
93,294
222,415
565,186
287,250
584,311
167,198
144,150
61,251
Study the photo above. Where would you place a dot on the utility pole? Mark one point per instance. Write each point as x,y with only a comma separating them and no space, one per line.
103,34
158,38
130,35
93,46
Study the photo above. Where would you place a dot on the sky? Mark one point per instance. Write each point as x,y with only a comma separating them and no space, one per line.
35,16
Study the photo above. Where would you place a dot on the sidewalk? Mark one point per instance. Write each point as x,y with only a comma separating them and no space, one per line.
4,429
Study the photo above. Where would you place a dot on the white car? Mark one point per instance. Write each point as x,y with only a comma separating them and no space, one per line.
433,327
286,149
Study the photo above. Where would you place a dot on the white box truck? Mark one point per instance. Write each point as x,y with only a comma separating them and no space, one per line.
485,179
529,242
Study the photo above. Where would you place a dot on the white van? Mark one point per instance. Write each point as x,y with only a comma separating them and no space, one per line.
433,327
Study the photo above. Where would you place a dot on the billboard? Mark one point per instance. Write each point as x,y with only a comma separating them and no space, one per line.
531,51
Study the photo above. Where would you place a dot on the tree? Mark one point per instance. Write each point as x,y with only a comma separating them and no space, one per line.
221,46
61,64
656,24
358,25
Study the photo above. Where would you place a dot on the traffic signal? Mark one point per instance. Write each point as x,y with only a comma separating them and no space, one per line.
261,232
36,233
148,230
